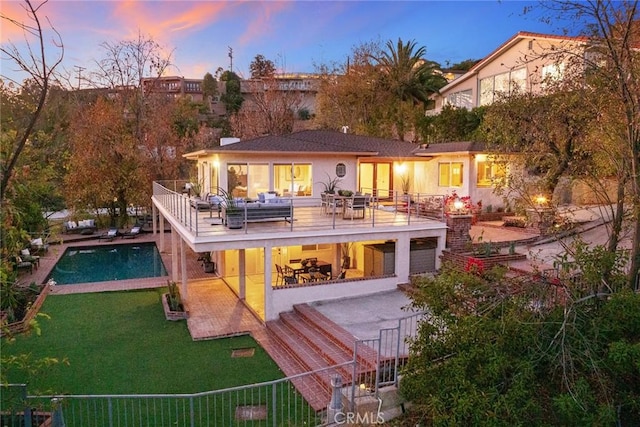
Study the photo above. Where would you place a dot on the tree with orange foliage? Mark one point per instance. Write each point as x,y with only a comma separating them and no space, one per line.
105,168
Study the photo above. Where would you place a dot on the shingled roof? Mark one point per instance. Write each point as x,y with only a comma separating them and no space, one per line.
450,147
321,141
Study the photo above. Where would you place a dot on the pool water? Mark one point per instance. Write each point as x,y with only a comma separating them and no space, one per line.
108,263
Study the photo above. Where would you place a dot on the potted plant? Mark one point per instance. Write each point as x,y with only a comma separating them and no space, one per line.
196,187
232,213
406,183
172,303
346,255
330,185
208,265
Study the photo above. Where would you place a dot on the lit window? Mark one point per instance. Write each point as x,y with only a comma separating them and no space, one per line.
237,179
489,172
502,84
292,179
450,174
462,99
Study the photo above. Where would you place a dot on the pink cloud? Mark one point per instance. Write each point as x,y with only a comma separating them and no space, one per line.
262,23
16,11
164,21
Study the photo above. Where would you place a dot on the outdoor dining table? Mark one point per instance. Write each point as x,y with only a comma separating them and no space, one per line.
298,268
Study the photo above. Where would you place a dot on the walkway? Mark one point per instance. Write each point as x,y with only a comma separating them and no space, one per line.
215,311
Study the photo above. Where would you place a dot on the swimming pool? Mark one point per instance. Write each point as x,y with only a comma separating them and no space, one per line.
88,264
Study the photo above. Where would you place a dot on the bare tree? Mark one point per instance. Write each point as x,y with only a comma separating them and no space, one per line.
271,109
34,63
126,62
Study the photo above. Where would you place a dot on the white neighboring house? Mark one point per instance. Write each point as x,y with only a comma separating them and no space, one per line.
522,63
384,248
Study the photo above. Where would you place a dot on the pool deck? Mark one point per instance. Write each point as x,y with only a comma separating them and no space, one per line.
215,311
49,259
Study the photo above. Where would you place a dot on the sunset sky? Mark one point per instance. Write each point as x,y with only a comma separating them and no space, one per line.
295,35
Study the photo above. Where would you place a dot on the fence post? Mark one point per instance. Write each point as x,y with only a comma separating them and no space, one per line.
354,378
27,407
397,361
192,415
57,419
334,411
110,406
274,407
377,383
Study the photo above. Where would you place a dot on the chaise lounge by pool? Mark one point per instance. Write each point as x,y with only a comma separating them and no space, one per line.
87,264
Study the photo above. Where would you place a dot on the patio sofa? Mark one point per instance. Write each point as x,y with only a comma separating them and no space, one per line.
85,226
267,208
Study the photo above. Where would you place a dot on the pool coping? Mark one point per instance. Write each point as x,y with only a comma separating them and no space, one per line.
110,285
49,259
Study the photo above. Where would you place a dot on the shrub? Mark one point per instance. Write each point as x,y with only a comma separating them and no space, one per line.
175,302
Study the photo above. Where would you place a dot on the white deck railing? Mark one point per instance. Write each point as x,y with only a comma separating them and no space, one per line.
392,209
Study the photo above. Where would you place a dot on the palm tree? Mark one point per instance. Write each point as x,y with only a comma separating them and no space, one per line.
408,77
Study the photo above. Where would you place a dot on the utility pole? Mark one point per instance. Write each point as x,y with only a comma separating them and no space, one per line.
231,58
80,70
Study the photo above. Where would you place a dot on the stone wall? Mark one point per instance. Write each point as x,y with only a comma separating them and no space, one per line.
464,261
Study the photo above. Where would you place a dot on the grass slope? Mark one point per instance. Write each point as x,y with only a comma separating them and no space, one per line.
120,343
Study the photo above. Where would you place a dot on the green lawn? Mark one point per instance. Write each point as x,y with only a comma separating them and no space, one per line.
120,342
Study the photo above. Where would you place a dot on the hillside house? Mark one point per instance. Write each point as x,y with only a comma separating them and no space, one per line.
279,182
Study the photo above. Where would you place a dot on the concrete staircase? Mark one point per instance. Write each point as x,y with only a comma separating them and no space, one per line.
305,340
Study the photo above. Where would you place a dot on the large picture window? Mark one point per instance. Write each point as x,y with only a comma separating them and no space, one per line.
237,179
502,84
292,179
489,172
258,181
450,174
462,99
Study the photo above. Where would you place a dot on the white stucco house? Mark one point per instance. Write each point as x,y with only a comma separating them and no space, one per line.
386,242
527,62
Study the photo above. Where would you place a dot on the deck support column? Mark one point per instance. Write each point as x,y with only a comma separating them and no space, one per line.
183,270
174,255
403,257
161,231
242,274
336,268
268,279
154,224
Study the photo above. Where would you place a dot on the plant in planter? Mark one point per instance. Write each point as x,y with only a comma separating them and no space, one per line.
208,265
346,254
331,184
172,303
173,297
196,187
406,183
345,193
233,214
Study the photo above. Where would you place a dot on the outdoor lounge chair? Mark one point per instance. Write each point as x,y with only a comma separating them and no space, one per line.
131,234
25,254
109,235
20,264
38,245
